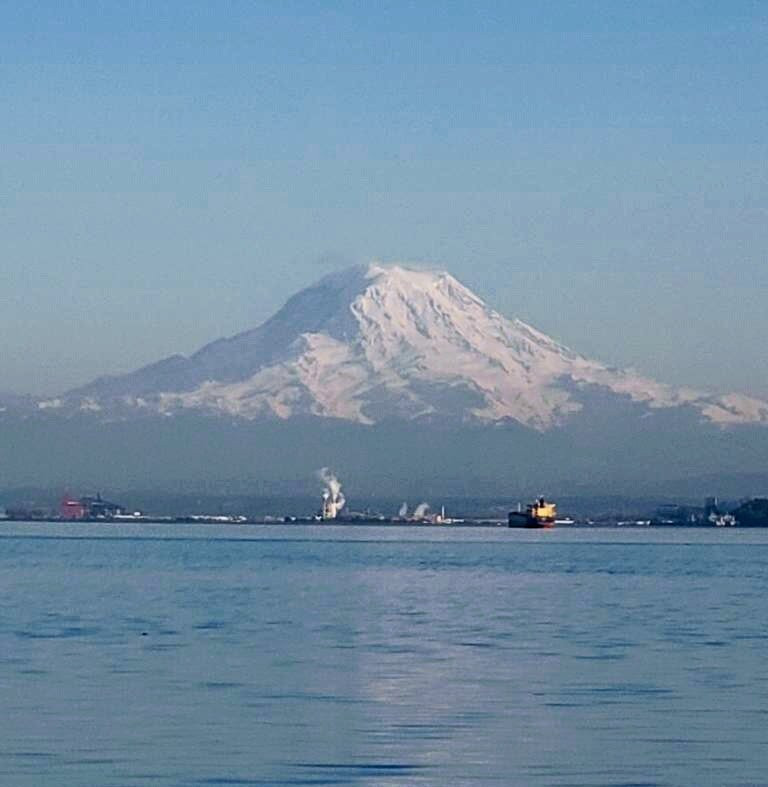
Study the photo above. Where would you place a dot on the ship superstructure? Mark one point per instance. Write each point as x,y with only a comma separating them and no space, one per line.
540,513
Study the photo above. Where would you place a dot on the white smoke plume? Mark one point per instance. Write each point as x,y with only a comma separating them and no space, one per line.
403,512
332,490
421,510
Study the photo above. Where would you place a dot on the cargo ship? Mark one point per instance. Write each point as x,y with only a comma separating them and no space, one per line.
540,513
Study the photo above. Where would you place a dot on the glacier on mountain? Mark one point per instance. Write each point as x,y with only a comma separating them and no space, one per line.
381,342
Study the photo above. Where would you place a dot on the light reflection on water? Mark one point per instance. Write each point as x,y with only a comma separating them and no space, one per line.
199,655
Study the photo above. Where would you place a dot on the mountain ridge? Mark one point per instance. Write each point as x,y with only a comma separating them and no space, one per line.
379,342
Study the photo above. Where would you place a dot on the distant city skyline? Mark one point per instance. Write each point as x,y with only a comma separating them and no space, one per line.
172,175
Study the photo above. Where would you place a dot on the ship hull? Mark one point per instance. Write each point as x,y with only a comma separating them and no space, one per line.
521,520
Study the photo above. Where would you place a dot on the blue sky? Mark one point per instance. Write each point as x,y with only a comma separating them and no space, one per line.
170,173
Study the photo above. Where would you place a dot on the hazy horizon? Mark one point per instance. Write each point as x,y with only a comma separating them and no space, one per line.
174,175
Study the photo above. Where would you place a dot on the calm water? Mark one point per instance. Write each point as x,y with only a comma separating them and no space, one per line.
199,655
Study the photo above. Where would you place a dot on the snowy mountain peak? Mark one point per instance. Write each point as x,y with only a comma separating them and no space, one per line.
378,342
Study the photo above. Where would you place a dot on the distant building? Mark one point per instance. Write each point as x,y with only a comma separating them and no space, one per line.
102,509
26,512
71,509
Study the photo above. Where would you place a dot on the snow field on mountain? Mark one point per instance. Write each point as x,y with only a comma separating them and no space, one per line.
379,342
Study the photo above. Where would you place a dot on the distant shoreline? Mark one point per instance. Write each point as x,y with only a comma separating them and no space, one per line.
298,521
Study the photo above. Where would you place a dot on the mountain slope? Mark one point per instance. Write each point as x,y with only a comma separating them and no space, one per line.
376,343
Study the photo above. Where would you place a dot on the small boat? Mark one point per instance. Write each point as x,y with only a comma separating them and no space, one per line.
540,513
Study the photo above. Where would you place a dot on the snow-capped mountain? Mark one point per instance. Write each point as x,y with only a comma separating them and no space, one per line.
375,343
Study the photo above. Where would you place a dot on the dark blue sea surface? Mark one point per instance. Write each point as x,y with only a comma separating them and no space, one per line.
223,655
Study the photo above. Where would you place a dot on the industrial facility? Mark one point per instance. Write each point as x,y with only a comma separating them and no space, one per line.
73,509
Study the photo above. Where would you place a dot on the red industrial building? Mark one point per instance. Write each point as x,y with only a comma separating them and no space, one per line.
73,509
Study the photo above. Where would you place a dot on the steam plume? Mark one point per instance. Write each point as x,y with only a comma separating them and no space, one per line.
332,490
